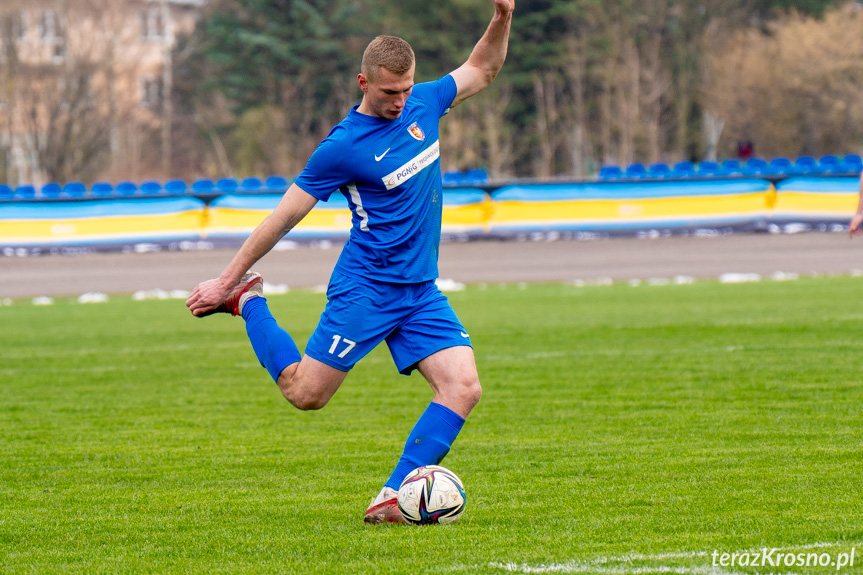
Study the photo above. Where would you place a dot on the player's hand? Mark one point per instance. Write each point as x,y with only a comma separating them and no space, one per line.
207,296
854,226
504,7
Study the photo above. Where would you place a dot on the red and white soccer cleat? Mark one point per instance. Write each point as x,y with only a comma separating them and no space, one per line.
250,285
384,512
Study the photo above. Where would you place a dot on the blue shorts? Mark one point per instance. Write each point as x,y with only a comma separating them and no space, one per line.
416,320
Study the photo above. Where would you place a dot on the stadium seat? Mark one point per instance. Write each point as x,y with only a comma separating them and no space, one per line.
635,171
227,185
780,166
659,171
453,178
24,192
730,167
707,168
806,165
74,190
5,192
203,186
50,190
127,188
176,187
475,177
607,172
251,184
755,167
854,162
828,161
101,190
276,184
683,170
830,164
151,187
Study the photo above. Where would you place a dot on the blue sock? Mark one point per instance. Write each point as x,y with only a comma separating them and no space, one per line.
273,346
428,443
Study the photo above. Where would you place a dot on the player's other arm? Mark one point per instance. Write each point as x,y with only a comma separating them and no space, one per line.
292,208
854,226
488,55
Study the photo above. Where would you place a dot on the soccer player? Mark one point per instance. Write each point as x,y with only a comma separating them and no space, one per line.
384,158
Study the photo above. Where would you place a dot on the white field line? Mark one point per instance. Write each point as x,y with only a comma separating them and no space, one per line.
651,353
575,567
37,353
618,565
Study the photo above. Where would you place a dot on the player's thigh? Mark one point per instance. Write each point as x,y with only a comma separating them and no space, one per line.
450,367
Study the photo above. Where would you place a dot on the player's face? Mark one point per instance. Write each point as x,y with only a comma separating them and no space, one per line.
386,94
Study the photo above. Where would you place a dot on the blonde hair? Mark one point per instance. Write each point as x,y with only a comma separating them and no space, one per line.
388,52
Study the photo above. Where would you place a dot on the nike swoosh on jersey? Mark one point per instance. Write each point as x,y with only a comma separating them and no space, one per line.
463,334
381,157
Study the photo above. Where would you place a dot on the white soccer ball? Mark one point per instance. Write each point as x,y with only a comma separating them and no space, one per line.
431,494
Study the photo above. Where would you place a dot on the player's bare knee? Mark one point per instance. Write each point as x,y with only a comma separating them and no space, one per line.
308,402
472,392
466,391
305,400
302,396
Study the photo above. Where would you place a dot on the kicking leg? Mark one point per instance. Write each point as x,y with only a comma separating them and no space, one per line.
306,382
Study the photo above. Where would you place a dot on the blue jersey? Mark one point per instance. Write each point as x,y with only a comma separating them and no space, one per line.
389,171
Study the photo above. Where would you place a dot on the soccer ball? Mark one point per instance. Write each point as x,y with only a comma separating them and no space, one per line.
431,494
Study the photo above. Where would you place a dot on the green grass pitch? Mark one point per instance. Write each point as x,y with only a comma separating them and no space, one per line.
622,430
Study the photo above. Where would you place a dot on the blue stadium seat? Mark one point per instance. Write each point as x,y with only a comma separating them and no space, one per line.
683,170
635,171
151,188
276,184
707,168
251,184
175,187
227,185
74,190
806,165
475,177
659,171
51,190
755,167
452,178
780,166
24,192
5,192
854,162
730,167
607,172
829,162
101,190
203,186
127,188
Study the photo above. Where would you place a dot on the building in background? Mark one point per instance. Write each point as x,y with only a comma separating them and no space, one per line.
83,87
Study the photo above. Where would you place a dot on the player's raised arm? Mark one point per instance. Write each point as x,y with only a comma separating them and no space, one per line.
292,208
488,55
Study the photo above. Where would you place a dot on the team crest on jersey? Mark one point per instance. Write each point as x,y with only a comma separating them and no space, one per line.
417,132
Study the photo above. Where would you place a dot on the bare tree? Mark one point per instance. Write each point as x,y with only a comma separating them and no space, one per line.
795,91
